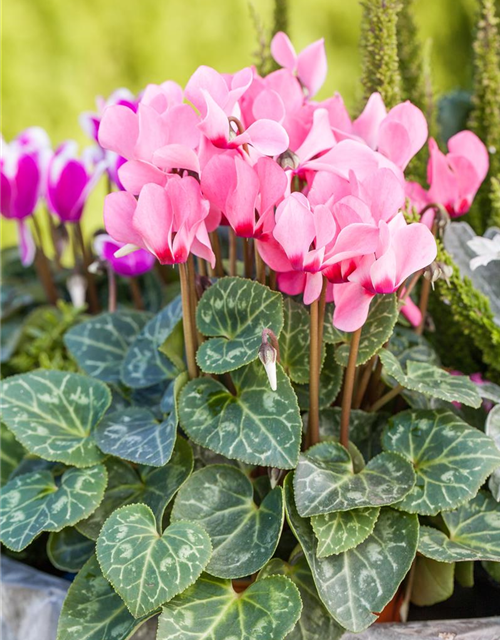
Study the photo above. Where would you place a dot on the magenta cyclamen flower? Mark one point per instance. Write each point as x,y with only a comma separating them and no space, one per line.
22,169
70,180
131,265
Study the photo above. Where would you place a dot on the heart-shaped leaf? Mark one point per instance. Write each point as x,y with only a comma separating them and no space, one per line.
376,331
315,622
69,550
134,434
145,568
257,425
406,345
355,584
233,312
11,453
330,381
450,458
154,486
93,611
431,381
144,364
244,536
365,428
331,335
268,609
492,429
99,345
294,342
473,533
433,582
53,414
35,502
325,480
343,530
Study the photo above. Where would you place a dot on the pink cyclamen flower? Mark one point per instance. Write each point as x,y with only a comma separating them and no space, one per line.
169,221
455,177
310,64
70,180
23,165
402,250
131,265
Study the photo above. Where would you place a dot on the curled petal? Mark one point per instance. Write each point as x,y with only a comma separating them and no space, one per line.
352,303
283,51
119,130
119,209
134,174
312,66
266,136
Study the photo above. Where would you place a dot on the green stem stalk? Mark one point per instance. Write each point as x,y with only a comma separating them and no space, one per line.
189,332
314,362
350,375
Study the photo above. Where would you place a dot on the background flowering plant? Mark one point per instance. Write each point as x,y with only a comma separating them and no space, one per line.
277,450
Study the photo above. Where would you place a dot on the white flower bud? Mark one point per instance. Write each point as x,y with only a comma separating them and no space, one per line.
77,287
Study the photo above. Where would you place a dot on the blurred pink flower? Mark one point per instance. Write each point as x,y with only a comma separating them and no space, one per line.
131,265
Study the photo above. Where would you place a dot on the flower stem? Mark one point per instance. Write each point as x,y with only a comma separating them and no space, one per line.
387,398
53,237
232,252
136,294
363,383
260,266
43,267
214,239
247,257
321,316
313,424
189,339
350,374
111,290
91,288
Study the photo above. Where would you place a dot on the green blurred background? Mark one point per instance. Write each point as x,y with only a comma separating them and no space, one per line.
59,54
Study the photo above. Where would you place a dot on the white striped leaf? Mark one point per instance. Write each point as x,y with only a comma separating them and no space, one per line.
212,610
257,425
244,537
330,381
451,459
93,611
431,380
154,486
315,622
492,429
99,345
69,550
36,502
342,530
145,568
294,342
357,584
326,480
473,533
53,414
232,313
135,434
11,453
144,364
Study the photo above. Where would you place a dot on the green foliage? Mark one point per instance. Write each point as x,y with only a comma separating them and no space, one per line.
433,582
379,46
410,54
494,220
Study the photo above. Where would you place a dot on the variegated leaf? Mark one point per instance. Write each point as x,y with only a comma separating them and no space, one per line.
53,414
450,458
211,609
35,502
257,425
11,453
147,568
69,550
144,364
473,533
325,480
154,486
356,583
431,380
221,499
232,313
294,342
99,345
492,429
92,610
343,530
330,381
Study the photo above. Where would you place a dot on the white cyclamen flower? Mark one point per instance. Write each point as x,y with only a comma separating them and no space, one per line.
486,249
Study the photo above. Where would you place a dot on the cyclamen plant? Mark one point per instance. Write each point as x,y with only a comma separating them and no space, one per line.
279,454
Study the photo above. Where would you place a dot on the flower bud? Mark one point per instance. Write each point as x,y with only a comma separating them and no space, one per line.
288,160
77,287
438,271
267,355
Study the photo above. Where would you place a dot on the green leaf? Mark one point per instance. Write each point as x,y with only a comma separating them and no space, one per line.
331,335
473,533
406,345
173,347
294,342
315,622
11,453
53,414
354,584
364,428
221,499
432,583
69,550
451,459
464,574
325,480
233,312
145,568
35,502
330,381
93,611
268,609
154,486
257,425
431,380
493,569
99,345
144,364
343,530
376,331
134,434
492,429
